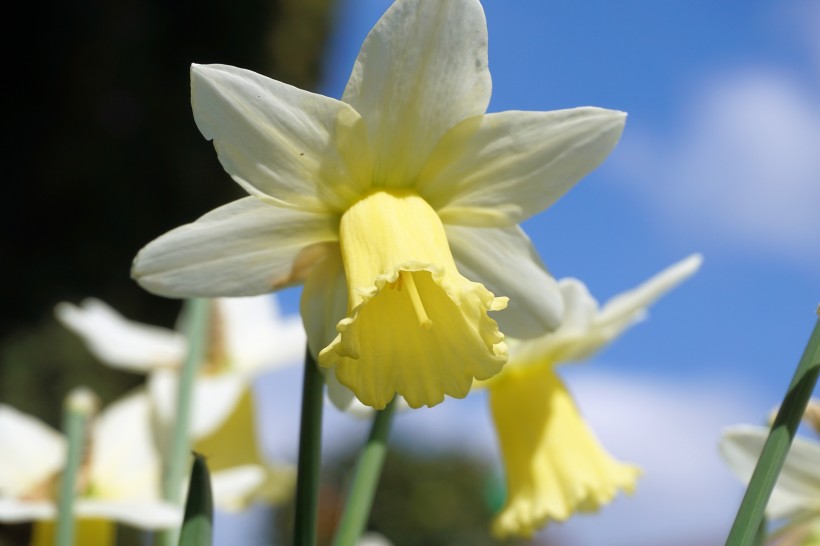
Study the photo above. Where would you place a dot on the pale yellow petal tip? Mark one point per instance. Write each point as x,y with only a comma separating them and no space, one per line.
280,485
812,414
419,336
82,400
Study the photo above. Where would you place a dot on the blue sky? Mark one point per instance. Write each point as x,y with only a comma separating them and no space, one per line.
721,155
685,72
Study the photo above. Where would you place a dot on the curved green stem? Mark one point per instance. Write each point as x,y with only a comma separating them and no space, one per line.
310,455
365,480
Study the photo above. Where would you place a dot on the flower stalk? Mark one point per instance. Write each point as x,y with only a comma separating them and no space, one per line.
80,405
365,480
196,313
750,514
310,455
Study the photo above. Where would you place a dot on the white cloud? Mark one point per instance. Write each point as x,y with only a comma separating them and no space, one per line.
669,428
743,169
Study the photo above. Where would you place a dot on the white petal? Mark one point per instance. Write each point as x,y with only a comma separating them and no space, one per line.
257,337
125,464
580,307
234,488
339,395
323,305
244,248
740,446
275,139
502,168
118,341
586,328
421,70
574,339
797,490
20,511
214,399
324,301
30,452
149,514
504,260
626,305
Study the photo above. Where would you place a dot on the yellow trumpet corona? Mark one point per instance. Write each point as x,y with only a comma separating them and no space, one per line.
406,297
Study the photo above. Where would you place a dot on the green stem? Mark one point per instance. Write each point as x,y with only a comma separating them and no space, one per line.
751,511
310,455
179,455
79,406
365,480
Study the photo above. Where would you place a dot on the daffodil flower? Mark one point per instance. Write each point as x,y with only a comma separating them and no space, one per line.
397,207
554,464
119,480
795,500
247,336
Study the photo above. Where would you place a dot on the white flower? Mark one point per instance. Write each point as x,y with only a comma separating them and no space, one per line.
247,335
397,207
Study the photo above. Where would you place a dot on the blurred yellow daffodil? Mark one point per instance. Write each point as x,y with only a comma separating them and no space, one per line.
118,482
553,462
247,336
795,500
397,207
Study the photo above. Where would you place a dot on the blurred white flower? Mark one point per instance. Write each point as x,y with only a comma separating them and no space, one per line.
795,500
119,480
247,336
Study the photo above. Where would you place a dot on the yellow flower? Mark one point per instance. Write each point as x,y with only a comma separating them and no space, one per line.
554,464
397,207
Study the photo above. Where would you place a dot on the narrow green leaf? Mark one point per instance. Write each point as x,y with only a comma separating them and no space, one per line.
746,528
197,525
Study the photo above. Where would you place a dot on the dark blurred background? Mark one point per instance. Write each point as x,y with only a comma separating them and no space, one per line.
105,156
